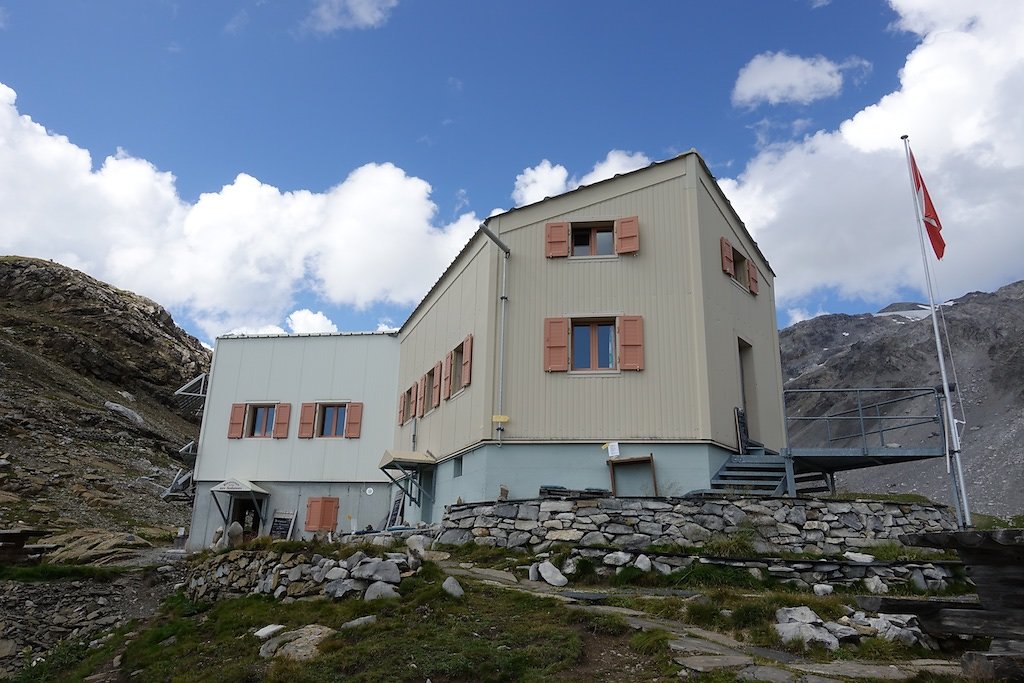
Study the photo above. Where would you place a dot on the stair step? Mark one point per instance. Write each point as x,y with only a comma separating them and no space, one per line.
745,482
754,466
736,476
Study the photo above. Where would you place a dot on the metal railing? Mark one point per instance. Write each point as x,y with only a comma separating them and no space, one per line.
849,418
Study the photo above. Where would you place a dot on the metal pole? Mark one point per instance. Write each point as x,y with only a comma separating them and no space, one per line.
953,431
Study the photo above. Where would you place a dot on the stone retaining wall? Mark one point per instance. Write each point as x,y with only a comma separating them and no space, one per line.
875,576
807,525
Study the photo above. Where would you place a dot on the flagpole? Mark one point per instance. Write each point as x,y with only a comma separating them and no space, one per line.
963,511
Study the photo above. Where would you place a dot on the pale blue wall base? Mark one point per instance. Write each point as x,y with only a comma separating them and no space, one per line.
356,509
524,468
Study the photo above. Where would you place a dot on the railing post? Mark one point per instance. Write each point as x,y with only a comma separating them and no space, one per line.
860,418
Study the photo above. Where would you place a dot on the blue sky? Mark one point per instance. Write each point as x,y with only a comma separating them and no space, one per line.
314,165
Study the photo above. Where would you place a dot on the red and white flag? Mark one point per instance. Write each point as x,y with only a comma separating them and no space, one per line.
928,213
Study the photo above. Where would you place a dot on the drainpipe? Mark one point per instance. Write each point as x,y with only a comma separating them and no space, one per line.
504,316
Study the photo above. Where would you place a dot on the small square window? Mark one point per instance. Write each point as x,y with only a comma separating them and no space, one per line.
457,467
457,358
409,399
428,391
332,420
593,239
593,344
739,267
261,421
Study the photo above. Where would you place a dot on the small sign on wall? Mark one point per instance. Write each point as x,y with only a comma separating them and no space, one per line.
613,449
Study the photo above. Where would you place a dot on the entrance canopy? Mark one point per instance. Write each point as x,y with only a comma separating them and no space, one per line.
239,486
404,460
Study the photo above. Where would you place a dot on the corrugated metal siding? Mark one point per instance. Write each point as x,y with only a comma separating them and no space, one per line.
667,399
731,313
300,370
465,303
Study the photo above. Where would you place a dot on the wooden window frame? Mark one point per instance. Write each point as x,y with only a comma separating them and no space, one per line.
338,431
259,420
591,228
593,324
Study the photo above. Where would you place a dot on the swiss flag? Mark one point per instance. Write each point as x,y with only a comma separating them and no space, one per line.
929,215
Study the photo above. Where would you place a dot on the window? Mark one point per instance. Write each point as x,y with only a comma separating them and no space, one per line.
586,344
592,238
593,345
259,420
457,372
737,266
432,388
407,404
457,467
332,420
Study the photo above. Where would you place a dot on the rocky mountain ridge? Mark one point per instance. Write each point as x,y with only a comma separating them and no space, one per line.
89,426
986,337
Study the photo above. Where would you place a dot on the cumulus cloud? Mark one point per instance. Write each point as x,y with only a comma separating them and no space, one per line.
237,258
237,23
547,179
833,211
305,321
798,315
4,18
328,16
777,77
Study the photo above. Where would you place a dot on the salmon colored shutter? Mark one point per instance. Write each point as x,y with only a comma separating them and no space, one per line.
752,277
467,360
307,419
282,415
421,401
353,420
627,235
556,344
446,376
727,265
436,389
631,342
314,511
414,400
236,423
556,240
401,409
329,514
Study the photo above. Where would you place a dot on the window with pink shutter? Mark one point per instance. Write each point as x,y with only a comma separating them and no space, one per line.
282,416
467,361
446,376
435,387
727,259
307,420
353,420
556,240
314,513
627,235
556,344
329,514
753,277
631,342
236,421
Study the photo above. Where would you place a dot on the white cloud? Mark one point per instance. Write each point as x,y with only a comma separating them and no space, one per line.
305,321
386,325
547,179
237,23
328,16
236,258
777,77
797,315
833,212
4,18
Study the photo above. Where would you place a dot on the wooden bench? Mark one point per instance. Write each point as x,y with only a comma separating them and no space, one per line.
14,548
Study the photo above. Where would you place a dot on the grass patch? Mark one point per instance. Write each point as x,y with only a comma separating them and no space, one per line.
983,522
739,543
882,497
70,661
651,642
897,552
490,634
56,572
493,557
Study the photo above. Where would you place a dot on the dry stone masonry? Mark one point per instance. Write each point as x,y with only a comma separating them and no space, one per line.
814,526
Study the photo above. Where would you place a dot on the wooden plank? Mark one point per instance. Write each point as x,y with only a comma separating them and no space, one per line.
1007,624
919,606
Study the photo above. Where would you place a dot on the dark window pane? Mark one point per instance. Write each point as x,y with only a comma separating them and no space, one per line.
339,421
581,242
604,243
581,347
605,345
327,428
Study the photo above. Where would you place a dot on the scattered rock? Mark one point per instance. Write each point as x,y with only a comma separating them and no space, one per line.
300,644
550,574
361,621
381,590
452,587
269,631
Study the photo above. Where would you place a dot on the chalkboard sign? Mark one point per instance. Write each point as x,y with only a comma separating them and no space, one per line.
282,524
395,516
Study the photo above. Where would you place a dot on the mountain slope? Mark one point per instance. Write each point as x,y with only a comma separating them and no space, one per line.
986,334
89,428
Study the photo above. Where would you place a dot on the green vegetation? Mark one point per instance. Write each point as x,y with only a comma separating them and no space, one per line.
983,522
897,552
54,572
490,634
740,543
882,497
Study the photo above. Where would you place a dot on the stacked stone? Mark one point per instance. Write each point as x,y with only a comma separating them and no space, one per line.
780,524
804,574
291,576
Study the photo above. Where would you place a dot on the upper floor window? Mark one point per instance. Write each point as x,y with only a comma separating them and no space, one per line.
331,419
739,267
593,345
592,238
259,420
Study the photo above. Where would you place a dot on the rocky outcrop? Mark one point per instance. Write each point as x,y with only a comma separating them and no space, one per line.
825,527
36,617
89,429
985,334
